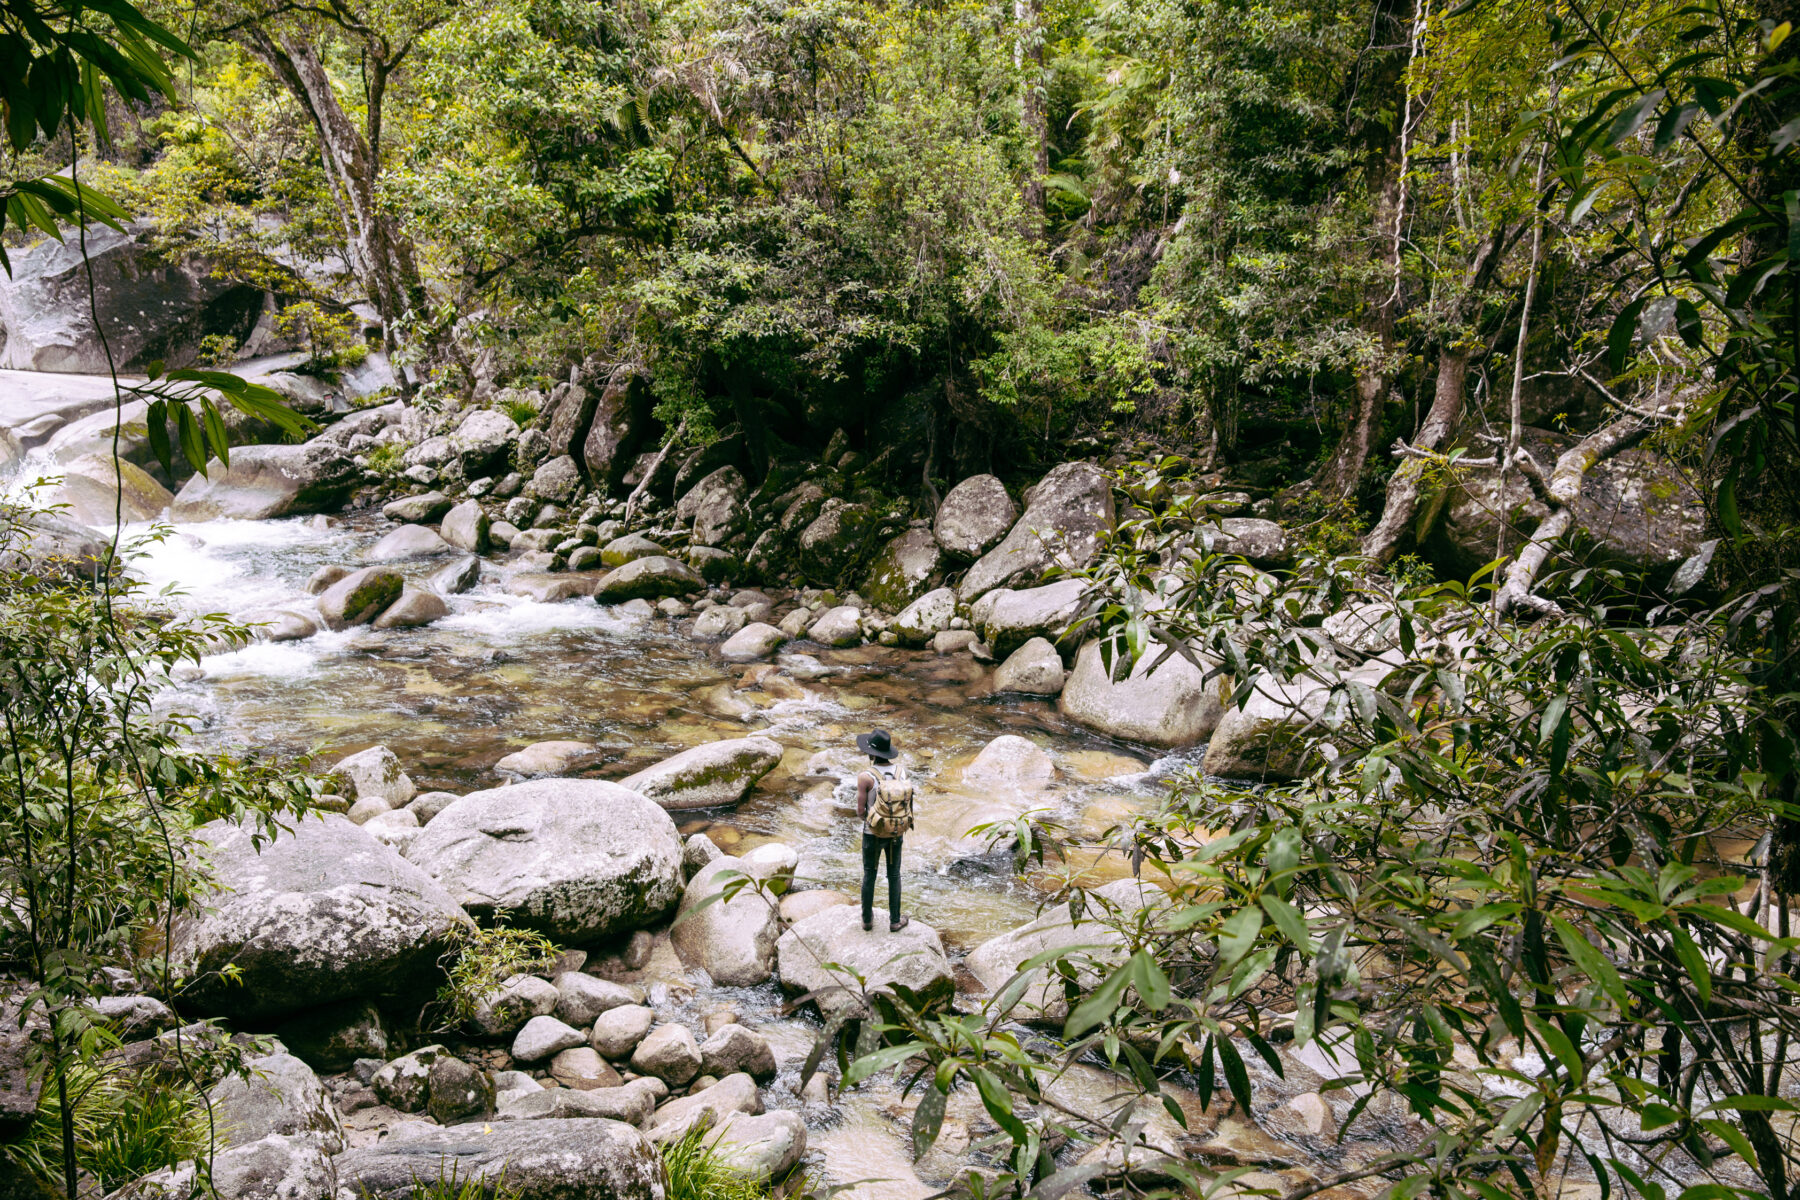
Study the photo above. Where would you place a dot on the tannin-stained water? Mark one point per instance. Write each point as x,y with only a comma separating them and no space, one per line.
502,672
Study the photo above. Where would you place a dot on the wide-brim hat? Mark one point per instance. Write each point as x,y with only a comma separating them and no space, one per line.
877,744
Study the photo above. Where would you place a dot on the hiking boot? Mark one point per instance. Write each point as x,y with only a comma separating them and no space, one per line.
897,926
868,925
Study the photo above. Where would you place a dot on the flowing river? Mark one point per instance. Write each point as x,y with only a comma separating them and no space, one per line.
502,672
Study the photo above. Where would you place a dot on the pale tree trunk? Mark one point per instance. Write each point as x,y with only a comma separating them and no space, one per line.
380,254
1440,425
1028,60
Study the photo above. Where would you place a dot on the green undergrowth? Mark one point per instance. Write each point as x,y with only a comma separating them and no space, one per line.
124,1128
698,1171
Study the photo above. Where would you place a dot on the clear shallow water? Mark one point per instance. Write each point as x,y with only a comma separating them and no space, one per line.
502,672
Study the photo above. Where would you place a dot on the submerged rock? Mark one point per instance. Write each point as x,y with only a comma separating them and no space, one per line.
754,641
549,758
359,597
322,913
575,859
709,776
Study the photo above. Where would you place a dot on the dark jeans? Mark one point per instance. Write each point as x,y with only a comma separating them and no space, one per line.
873,848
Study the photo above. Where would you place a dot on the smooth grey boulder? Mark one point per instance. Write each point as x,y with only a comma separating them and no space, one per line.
550,1159
405,1082
277,1167
840,626
1273,735
466,527
545,1037
556,480
580,999
697,851
374,772
324,577
549,758
1010,769
834,539
1365,629
151,307
629,548
708,776
617,1031
1034,669
518,999
648,578
761,1147
359,597
715,506
720,621
424,509
1172,706
579,860
1641,513
581,1067
926,617
733,1049
332,1038
903,570
415,607
269,481
755,641
632,1105
457,1091
731,940
974,516
408,541
1009,618
571,409
96,489
732,1094
1066,515
620,421
483,442
670,1053
322,913
913,956
457,577
1263,543
281,1095
49,546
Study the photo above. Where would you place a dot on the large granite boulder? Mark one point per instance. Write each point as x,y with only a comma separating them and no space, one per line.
579,860
715,506
1034,669
925,617
556,480
1272,735
974,517
620,423
332,1038
1172,706
1638,512
408,541
150,307
571,407
277,1167
1262,542
761,1147
708,776
903,570
820,954
731,940
95,488
552,1159
321,913
49,546
269,481
648,578
280,1095
361,596
1066,515
834,539
1008,619
483,442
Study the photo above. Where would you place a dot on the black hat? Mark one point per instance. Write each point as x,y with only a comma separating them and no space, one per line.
876,745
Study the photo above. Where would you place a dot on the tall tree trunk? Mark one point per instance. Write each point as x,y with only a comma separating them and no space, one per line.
1383,542
380,254
1028,60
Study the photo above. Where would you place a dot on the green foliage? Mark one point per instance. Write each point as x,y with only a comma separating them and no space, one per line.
697,1171
449,1186
481,960
522,411
332,339
125,1128
217,350
386,459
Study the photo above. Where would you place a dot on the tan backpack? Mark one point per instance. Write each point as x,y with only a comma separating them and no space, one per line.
891,807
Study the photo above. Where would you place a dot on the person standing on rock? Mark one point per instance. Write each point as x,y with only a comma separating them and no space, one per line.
884,801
